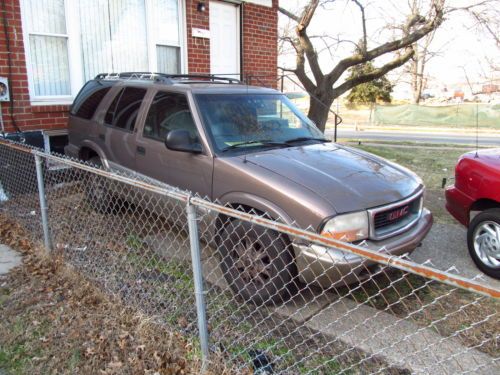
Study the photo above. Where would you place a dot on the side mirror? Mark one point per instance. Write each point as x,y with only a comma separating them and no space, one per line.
180,140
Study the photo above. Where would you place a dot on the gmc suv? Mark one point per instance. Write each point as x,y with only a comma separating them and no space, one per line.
250,147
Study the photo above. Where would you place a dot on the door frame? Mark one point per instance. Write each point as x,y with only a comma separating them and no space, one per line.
239,25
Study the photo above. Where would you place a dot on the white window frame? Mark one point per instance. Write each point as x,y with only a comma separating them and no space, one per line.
75,49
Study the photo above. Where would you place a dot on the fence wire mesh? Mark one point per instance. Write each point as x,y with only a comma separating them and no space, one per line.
131,237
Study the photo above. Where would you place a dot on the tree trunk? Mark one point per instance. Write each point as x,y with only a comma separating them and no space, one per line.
319,112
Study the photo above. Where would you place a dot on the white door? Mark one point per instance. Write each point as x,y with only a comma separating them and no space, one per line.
224,39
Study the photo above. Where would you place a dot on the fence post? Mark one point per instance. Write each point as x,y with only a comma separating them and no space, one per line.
43,203
198,283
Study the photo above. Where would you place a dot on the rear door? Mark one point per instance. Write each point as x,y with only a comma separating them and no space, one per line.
119,128
169,111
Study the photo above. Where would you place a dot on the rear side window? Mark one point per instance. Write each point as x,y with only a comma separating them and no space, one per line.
124,109
169,111
88,99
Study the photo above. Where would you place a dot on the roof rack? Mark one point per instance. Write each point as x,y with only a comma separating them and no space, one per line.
169,79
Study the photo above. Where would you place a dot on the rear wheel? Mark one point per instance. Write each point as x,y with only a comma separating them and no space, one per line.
257,262
483,240
97,194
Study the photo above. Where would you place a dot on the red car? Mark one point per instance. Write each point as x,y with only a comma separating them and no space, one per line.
477,188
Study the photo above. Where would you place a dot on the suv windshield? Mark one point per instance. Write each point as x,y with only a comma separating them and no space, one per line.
250,121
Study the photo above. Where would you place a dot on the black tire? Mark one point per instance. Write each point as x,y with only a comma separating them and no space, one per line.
267,279
98,196
483,244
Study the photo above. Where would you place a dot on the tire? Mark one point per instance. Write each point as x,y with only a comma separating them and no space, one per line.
97,194
483,240
257,263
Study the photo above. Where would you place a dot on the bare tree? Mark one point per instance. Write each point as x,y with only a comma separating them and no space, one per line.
327,86
418,64
486,16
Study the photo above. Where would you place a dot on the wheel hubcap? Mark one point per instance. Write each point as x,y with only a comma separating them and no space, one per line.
487,243
251,261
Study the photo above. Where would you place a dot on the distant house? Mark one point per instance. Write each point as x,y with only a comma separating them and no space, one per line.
490,88
52,47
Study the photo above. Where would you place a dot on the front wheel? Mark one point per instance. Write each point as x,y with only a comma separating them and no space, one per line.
483,240
257,262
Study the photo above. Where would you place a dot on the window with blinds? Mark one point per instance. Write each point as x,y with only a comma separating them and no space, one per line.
69,42
48,45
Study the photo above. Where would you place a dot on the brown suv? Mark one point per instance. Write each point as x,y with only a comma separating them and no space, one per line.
250,147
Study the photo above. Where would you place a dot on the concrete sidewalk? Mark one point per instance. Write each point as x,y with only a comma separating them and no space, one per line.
400,342
9,259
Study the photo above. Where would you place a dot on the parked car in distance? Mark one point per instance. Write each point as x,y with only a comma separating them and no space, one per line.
250,148
477,190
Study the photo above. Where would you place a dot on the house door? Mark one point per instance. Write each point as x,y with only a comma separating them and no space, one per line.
224,38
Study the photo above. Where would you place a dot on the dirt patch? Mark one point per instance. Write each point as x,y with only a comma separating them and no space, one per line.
55,321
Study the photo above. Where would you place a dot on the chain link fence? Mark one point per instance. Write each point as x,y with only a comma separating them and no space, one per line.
227,278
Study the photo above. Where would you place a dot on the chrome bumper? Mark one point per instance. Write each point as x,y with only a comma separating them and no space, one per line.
329,267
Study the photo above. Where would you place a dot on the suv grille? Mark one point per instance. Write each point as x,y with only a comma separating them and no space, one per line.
395,218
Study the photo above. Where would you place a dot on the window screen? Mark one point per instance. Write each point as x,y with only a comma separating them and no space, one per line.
48,47
169,111
124,109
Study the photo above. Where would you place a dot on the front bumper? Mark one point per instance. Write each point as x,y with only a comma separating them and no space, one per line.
329,267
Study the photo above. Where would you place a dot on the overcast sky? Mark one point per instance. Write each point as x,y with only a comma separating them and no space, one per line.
460,46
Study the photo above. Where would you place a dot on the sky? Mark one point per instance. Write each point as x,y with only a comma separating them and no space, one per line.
462,50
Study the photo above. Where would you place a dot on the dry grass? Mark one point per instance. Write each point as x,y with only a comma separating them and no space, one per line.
55,321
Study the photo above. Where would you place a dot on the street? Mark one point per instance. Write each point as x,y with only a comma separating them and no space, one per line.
428,137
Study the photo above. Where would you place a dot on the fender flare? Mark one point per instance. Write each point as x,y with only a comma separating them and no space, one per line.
240,198
93,146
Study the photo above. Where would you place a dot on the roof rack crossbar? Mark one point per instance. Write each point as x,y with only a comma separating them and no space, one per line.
167,78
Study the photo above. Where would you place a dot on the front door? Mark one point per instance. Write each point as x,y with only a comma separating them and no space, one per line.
224,39
170,111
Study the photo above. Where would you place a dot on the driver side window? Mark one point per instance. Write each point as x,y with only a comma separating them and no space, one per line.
168,111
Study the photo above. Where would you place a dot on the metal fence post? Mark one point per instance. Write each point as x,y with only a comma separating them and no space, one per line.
43,203
198,282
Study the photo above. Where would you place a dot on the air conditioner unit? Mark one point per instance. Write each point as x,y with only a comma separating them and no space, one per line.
4,89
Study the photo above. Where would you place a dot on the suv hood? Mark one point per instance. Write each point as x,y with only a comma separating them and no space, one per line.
350,180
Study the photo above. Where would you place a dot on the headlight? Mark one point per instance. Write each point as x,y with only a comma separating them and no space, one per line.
347,227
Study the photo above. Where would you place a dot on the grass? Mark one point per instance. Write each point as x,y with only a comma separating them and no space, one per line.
416,144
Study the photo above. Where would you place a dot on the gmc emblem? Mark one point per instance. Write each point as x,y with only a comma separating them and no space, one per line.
394,215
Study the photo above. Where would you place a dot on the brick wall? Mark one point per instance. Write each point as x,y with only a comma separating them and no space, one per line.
260,44
26,116
198,49
259,51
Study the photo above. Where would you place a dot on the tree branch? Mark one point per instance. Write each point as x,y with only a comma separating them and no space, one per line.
406,41
289,14
375,74
305,42
364,47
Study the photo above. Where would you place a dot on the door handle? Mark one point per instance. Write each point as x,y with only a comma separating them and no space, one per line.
101,136
141,150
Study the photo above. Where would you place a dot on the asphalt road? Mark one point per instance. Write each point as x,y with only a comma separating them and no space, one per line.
393,135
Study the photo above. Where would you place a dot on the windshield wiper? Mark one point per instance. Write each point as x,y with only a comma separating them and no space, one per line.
264,142
302,139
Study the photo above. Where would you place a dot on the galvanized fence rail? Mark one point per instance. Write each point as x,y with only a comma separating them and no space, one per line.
230,279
